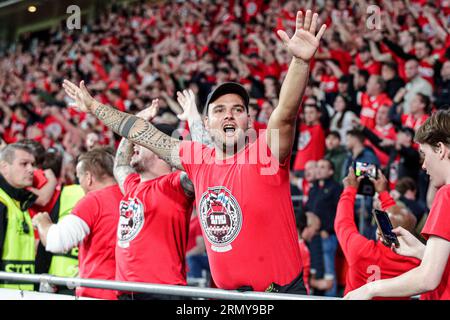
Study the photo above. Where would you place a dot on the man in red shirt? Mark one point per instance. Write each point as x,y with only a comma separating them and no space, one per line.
311,142
369,260
420,107
432,277
239,228
384,130
151,235
92,223
372,100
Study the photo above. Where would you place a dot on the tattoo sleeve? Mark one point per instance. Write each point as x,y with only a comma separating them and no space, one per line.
187,185
122,160
141,132
199,133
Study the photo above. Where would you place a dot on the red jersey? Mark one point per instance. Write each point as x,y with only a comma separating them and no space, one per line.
306,259
247,244
311,145
329,83
426,71
408,120
372,67
438,225
367,260
386,132
100,210
153,230
369,108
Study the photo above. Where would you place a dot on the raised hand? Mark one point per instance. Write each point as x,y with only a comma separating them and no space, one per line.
150,112
82,97
381,183
186,99
304,43
351,180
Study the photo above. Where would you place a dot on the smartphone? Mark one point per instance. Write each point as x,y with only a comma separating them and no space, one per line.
385,225
366,169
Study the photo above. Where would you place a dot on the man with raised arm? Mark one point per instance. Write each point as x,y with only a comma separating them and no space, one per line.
154,217
251,243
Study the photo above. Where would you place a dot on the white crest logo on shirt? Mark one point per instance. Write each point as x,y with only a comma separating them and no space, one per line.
304,139
131,221
221,218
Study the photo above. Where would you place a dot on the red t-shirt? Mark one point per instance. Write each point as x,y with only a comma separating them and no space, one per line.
438,225
100,210
250,240
153,231
369,108
329,83
372,67
367,260
311,145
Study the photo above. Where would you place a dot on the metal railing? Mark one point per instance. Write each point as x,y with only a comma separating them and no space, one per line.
184,291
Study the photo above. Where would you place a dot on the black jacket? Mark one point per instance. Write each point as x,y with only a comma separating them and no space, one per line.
322,201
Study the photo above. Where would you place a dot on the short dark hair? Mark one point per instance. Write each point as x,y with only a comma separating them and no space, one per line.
391,65
8,153
330,163
408,131
358,134
99,162
364,73
334,134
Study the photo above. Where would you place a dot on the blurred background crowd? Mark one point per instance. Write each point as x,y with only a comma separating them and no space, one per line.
379,73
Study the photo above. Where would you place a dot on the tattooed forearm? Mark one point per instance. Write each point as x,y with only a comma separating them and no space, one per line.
122,160
124,153
199,133
187,185
141,132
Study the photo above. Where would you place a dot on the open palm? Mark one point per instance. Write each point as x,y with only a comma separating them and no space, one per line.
150,112
80,94
186,99
304,43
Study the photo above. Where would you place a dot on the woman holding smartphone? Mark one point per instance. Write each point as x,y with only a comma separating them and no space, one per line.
431,279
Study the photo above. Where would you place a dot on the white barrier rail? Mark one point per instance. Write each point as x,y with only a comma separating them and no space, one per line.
184,291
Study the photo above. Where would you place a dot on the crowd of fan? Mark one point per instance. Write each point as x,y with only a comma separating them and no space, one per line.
370,88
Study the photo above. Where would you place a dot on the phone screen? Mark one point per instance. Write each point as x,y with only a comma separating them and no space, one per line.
366,169
385,225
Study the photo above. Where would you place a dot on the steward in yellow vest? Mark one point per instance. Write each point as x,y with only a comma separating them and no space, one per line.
17,244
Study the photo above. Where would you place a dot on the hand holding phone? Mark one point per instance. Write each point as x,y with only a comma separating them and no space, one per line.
384,224
368,171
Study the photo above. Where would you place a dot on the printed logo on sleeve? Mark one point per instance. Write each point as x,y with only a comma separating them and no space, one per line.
131,221
221,218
